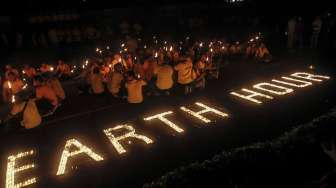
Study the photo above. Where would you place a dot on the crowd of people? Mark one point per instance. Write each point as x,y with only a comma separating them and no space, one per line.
31,93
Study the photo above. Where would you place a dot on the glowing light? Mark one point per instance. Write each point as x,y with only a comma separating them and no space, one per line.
97,49
110,65
205,110
251,95
145,46
309,76
25,86
207,59
23,72
12,170
83,66
86,62
51,69
171,48
72,71
304,83
201,45
122,45
211,50
130,134
119,60
125,49
311,67
284,91
9,85
257,38
107,47
156,55
162,117
81,149
13,98
165,42
135,58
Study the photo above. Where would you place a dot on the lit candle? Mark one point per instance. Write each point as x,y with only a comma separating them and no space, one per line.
171,48
9,85
13,98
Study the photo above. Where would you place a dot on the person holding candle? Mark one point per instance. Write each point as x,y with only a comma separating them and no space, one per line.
12,86
25,110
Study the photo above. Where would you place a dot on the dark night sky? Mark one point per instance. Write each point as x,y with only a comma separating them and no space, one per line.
262,6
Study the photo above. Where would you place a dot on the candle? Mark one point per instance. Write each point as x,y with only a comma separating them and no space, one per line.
9,85
13,98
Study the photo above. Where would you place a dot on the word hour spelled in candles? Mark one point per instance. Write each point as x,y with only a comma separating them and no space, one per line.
277,87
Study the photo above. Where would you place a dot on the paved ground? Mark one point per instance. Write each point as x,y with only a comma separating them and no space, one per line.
85,117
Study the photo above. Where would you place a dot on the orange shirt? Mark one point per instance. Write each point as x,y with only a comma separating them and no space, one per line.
46,92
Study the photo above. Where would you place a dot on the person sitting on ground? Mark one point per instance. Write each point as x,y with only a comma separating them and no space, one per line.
262,54
164,73
96,81
114,80
12,86
10,69
46,96
25,110
149,66
134,88
63,70
185,74
56,86
200,73
29,72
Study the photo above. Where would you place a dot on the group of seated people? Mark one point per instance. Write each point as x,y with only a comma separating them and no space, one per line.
31,94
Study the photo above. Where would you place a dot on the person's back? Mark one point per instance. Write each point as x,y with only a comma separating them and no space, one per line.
56,85
134,88
97,85
46,92
164,77
114,83
184,70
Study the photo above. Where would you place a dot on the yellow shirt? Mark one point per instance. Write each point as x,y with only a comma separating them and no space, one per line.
56,85
114,82
184,72
134,89
164,77
31,115
97,85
